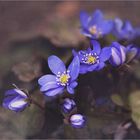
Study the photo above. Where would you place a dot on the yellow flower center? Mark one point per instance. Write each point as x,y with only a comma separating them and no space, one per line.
91,59
64,78
95,31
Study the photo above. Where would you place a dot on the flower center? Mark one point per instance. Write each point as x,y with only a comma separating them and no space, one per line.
90,58
63,79
95,31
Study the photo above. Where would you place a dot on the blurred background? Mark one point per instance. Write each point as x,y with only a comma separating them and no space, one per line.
29,33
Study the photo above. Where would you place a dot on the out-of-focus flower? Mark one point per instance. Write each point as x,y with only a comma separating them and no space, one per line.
101,101
16,100
125,30
93,59
118,54
104,102
132,52
68,105
95,26
52,85
77,121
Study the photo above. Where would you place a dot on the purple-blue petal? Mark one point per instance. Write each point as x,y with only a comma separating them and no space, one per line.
74,68
118,23
54,92
46,78
89,50
86,33
74,53
73,84
105,54
118,54
131,52
17,103
19,109
15,92
128,27
124,30
83,68
49,85
100,66
121,49
123,53
92,67
56,65
81,55
70,89
68,105
77,121
7,100
96,18
84,19
96,47
98,14
115,58
106,26
11,93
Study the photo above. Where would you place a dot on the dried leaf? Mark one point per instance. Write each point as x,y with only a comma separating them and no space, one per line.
27,71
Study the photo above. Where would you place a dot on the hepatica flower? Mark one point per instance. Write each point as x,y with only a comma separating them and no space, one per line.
16,100
125,30
132,52
118,54
68,105
95,26
52,85
93,59
77,121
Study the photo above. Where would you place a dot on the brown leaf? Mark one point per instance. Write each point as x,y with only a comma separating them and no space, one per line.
27,71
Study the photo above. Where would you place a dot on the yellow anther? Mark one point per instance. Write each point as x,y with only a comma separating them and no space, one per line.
64,78
91,59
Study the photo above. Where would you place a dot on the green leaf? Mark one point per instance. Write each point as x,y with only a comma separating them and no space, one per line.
117,100
134,103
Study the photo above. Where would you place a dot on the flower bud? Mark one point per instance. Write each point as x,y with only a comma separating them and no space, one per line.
118,54
15,100
77,121
68,105
131,52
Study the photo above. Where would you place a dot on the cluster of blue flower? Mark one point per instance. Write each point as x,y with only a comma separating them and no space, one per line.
94,58
96,26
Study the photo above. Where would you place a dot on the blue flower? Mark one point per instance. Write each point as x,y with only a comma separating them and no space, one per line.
132,52
95,26
68,105
118,54
77,121
125,30
52,85
93,59
15,100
